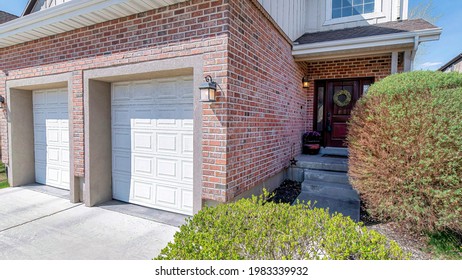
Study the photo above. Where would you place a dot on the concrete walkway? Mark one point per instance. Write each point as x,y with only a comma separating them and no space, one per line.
39,226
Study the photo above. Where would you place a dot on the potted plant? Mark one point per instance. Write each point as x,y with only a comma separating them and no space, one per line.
311,143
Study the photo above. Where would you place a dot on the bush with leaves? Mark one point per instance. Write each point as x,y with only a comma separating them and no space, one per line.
252,229
405,144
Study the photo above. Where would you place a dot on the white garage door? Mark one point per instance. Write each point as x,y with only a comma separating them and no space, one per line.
152,143
51,137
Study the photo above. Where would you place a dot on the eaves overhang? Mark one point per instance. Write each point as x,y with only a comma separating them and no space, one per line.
72,15
364,45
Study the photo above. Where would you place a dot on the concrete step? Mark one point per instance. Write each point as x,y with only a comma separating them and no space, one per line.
326,176
342,201
313,185
334,151
324,165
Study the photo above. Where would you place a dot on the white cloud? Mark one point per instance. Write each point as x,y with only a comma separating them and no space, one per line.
430,65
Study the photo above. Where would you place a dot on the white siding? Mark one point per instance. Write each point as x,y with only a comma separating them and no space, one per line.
288,14
45,4
317,15
296,17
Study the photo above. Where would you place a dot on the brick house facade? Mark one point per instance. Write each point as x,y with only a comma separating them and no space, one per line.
242,142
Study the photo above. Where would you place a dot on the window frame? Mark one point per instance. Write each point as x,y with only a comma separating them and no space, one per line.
378,13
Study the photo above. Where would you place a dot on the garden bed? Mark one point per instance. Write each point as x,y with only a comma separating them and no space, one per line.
287,192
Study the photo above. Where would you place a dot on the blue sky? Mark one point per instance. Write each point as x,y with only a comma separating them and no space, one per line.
431,55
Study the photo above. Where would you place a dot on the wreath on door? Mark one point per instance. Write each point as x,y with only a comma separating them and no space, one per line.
342,98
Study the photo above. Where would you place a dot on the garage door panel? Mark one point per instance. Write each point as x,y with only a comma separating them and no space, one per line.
53,174
142,116
121,93
40,136
121,162
143,141
39,99
40,172
121,187
40,153
166,143
121,139
186,200
39,117
157,122
167,168
51,138
187,144
143,190
143,165
53,155
65,177
121,117
167,196
184,89
142,91
165,92
56,97
65,137
187,171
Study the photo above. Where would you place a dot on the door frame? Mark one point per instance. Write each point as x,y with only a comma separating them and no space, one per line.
323,83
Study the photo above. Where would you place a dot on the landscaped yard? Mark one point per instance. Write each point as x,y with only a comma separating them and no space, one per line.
3,179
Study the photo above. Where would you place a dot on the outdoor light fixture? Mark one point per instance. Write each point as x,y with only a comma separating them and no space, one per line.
208,90
2,102
306,82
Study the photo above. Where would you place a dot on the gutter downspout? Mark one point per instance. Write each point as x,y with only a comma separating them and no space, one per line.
414,51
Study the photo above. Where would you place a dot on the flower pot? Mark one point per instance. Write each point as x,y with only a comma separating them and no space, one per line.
311,148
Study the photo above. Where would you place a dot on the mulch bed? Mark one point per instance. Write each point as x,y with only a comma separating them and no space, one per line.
287,192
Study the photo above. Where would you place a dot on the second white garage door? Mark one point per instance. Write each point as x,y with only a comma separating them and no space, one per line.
152,143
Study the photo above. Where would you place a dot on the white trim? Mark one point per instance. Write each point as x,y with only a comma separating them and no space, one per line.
394,62
378,13
368,42
27,28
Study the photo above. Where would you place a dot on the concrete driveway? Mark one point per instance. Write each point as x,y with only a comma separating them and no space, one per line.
39,226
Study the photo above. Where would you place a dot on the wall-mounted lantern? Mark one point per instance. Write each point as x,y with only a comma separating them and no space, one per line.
306,82
208,90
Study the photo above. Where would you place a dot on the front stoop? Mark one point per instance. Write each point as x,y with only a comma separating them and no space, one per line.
326,183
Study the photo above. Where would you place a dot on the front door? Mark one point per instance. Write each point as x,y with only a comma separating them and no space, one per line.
339,99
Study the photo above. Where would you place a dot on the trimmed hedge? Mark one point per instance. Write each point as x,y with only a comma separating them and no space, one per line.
405,141
251,229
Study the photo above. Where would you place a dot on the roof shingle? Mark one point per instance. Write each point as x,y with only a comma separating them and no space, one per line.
366,31
4,17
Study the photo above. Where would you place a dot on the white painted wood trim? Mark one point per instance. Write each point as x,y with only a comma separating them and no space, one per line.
378,13
368,42
394,62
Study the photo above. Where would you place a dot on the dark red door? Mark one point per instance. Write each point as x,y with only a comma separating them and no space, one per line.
341,96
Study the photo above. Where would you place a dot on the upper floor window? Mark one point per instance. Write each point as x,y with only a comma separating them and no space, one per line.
347,8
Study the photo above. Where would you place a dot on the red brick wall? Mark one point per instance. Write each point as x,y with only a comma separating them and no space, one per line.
361,67
197,27
267,105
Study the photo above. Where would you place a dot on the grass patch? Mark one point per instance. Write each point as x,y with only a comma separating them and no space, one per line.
3,179
445,245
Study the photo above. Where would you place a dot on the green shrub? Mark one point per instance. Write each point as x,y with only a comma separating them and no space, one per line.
251,229
405,141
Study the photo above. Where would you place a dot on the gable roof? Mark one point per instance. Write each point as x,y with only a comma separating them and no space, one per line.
4,17
450,63
392,27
